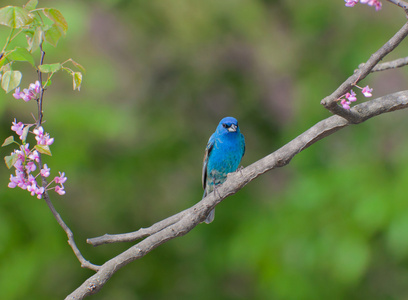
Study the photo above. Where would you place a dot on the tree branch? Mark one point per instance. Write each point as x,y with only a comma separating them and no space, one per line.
70,235
330,102
181,223
397,63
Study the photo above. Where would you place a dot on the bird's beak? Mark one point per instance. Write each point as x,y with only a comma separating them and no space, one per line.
232,128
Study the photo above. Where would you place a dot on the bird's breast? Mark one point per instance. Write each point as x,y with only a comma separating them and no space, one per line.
224,157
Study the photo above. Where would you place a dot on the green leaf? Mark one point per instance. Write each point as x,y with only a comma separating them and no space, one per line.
58,19
44,149
25,133
6,67
31,4
14,16
10,160
34,39
10,80
77,80
8,141
50,68
21,54
53,34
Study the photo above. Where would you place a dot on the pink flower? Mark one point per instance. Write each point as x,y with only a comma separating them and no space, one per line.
32,188
351,96
35,190
41,137
376,3
34,156
13,181
345,104
30,166
60,190
39,131
17,127
17,94
45,171
19,165
28,95
36,87
350,3
48,141
40,192
31,179
60,179
367,91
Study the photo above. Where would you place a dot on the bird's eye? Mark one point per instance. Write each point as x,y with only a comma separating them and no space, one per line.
224,125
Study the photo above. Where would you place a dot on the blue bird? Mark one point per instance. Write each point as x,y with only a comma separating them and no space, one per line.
223,154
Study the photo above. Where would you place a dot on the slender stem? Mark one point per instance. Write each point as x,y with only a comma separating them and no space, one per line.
40,99
84,263
45,184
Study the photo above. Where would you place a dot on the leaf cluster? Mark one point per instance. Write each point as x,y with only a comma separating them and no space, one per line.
39,26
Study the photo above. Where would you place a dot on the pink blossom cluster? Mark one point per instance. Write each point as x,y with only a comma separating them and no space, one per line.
28,94
41,137
376,3
350,97
27,161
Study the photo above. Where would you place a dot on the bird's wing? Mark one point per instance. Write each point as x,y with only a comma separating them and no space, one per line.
208,149
243,144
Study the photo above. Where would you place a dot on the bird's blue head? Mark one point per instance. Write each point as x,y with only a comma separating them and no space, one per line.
228,125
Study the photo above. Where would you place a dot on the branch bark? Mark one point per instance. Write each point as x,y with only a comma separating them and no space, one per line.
397,63
136,235
181,223
400,3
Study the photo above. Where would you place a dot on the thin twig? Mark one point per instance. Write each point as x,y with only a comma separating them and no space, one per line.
397,63
193,216
84,263
40,99
136,235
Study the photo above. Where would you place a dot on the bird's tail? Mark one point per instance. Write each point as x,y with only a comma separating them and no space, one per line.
211,215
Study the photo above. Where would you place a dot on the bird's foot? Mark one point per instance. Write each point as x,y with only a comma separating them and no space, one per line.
240,170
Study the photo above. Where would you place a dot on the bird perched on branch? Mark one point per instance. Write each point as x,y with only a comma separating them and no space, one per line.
223,154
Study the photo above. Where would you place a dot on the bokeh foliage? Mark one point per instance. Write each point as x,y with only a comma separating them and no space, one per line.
160,74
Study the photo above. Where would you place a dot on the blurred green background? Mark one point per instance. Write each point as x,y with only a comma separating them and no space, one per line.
333,224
